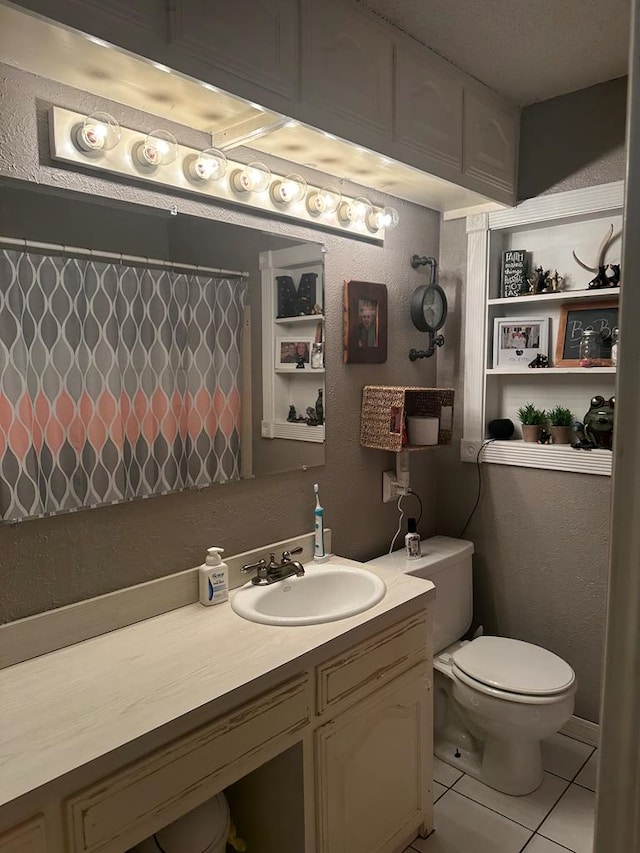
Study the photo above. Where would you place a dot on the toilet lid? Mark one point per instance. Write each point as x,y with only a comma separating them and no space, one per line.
514,666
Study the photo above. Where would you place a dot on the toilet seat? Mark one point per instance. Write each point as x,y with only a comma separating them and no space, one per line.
512,669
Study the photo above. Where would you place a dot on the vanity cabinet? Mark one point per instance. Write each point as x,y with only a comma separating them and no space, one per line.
28,837
351,731
373,769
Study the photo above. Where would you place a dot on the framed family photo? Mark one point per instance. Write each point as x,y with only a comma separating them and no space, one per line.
518,340
293,353
365,322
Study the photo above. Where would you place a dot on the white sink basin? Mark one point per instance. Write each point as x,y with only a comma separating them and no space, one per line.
325,593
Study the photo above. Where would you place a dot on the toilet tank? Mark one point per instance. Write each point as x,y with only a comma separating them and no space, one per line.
447,563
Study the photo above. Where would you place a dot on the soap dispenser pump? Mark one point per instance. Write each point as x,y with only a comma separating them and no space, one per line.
213,578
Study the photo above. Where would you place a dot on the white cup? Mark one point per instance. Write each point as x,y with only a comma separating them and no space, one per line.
422,430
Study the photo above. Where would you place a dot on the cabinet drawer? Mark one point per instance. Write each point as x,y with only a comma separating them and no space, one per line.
125,808
366,667
29,837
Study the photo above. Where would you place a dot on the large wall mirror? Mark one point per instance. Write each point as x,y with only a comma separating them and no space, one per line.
122,378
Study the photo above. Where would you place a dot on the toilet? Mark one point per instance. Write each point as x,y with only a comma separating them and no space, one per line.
495,699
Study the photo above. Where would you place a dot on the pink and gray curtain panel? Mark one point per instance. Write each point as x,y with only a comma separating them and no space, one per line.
116,382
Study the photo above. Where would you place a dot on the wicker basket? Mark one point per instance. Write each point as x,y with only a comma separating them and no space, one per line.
385,407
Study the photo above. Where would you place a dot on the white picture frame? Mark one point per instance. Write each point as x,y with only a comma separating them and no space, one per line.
518,340
289,348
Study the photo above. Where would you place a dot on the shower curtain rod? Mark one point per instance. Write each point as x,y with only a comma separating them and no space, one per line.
113,256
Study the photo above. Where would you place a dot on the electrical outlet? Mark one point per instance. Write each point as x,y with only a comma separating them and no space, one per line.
389,487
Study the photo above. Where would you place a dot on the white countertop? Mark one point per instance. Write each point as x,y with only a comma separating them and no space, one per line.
67,708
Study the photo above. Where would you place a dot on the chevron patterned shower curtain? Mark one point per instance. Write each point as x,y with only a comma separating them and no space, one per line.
116,382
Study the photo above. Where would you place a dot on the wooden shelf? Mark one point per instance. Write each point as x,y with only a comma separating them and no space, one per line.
562,296
552,457
308,371
305,318
550,371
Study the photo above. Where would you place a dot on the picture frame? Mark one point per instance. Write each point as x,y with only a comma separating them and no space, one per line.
518,340
289,349
576,317
365,323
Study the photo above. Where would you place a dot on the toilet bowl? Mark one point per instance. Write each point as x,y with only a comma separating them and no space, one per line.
495,699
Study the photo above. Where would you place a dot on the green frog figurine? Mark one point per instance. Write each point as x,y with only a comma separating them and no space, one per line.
598,422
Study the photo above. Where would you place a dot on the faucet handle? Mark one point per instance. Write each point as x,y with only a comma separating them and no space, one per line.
260,566
286,555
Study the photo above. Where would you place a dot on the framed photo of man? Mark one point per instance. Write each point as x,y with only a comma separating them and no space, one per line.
365,323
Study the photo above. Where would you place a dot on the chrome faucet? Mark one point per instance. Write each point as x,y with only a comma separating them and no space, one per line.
273,571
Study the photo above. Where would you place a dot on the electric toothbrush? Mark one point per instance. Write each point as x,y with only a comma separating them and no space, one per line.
318,526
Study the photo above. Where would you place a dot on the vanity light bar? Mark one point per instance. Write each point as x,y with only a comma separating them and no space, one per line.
158,159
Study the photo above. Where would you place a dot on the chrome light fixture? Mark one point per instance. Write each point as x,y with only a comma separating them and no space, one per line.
159,148
327,200
289,190
210,165
386,217
254,178
98,132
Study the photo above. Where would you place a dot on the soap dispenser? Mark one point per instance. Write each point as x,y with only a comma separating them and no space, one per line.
213,578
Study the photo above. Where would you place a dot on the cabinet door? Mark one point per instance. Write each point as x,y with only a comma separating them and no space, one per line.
490,142
139,26
428,114
347,70
374,764
255,40
29,837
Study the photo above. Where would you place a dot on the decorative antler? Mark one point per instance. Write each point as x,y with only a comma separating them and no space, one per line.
606,242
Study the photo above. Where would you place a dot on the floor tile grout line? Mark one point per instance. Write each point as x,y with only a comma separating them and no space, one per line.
584,764
495,811
536,828
546,838
537,835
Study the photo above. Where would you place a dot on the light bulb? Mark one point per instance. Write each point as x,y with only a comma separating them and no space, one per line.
209,165
385,217
325,200
254,178
290,189
159,148
98,132
355,211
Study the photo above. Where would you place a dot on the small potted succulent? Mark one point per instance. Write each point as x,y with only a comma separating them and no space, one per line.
532,421
560,419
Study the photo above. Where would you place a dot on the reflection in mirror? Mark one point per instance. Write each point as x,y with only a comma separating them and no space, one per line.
141,353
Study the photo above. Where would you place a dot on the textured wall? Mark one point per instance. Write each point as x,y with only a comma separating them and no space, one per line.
573,141
52,562
541,537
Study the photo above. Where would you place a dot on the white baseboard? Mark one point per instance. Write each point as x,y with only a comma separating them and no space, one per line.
582,730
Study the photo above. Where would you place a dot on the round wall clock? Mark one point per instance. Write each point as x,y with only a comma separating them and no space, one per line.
428,308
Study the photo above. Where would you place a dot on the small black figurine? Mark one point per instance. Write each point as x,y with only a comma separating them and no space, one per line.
311,418
540,361
600,280
292,416
299,362
539,281
545,437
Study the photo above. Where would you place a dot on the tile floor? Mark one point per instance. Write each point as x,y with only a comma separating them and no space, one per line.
558,817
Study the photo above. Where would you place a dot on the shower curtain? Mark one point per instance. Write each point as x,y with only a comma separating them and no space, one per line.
116,382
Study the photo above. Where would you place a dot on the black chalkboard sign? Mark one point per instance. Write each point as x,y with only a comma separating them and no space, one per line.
513,279
578,317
